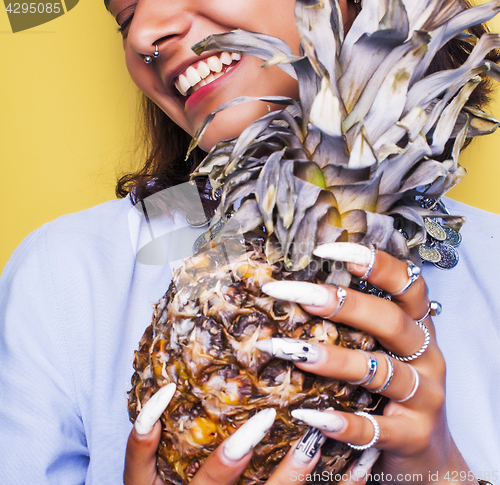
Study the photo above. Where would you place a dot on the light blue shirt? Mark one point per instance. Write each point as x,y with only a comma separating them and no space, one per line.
74,303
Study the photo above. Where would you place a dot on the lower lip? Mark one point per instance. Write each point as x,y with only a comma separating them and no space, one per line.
206,90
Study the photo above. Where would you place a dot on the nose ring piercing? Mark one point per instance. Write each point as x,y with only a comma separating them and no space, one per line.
148,59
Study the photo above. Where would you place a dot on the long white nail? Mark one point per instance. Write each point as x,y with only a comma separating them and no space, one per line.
344,251
319,419
298,292
153,409
243,440
309,445
365,463
290,349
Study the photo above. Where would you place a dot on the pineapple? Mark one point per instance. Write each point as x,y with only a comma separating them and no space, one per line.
350,162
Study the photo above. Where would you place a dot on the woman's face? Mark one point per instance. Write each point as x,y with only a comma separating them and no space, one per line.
176,25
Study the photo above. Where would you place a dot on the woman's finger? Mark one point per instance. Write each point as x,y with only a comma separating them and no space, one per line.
300,459
225,465
361,429
375,371
383,271
140,458
383,319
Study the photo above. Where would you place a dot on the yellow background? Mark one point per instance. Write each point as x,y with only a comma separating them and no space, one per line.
67,123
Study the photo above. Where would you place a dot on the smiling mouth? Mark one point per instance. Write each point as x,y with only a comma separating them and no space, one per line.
204,72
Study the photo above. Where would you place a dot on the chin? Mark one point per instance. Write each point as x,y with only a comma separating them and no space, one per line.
231,122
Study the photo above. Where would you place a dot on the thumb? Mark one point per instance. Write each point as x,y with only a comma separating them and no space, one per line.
140,457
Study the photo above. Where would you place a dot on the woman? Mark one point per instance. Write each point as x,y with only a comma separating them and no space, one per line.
88,301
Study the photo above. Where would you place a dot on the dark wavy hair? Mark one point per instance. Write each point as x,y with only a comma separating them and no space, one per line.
166,144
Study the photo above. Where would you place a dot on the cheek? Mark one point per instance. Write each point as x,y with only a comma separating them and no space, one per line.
148,81
231,122
140,72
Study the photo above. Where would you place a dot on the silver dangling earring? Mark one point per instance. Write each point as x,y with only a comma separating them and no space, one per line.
148,59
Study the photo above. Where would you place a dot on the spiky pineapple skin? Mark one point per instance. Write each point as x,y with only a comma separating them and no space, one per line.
202,339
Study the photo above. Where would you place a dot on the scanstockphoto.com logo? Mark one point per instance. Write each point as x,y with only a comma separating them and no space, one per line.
26,15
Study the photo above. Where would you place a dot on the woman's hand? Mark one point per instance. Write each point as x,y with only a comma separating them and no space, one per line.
225,465
414,435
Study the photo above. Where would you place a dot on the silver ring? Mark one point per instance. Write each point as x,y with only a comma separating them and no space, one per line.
372,370
371,264
390,373
434,309
422,349
413,274
341,297
425,317
415,386
376,428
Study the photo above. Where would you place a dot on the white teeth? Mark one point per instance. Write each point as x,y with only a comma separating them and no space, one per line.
199,85
183,84
225,58
214,63
203,70
192,76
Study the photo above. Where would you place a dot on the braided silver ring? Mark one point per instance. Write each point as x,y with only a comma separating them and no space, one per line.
415,386
390,374
341,297
371,264
376,428
422,349
413,274
372,370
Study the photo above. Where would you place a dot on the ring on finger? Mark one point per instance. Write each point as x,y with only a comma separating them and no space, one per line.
370,373
413,274
415,386
376,429
418,353
390,373
371,264
434,309
341,297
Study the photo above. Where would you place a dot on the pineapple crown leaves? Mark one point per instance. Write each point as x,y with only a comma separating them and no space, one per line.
348,160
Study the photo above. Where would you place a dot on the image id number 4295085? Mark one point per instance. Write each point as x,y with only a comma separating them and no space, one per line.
455,476
24,8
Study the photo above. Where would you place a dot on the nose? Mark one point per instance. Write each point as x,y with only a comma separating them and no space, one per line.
158,23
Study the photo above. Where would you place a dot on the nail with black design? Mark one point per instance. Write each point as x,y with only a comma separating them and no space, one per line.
290,349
